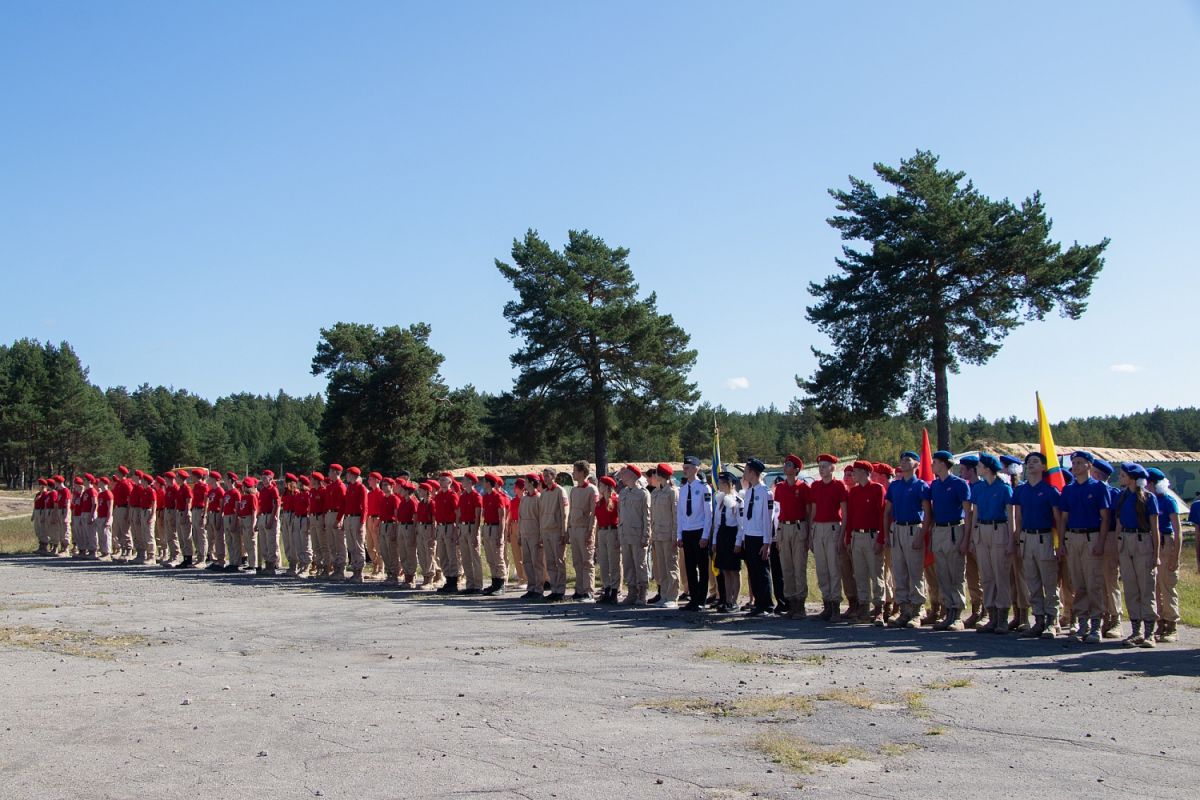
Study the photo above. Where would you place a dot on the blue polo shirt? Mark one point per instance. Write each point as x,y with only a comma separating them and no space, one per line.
1127,509
1166,507
948,494
908,498
1194,516
991,500
1037,504
1083,502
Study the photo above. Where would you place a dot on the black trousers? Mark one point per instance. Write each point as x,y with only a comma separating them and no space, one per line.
696,564
777,577
759,572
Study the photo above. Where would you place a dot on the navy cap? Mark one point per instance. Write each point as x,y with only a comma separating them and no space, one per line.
1154,474
991,462
1103,466
756,465
691,461
944,455
970,461
1085,455
726,475
1009,460
910,454
1134,470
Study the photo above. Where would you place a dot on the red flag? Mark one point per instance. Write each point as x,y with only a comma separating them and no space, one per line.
925,473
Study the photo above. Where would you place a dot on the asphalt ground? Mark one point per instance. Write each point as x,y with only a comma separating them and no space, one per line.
140,682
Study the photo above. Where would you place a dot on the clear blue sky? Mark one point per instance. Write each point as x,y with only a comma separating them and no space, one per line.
189,191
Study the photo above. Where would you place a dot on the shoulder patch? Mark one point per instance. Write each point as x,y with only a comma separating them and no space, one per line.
708,497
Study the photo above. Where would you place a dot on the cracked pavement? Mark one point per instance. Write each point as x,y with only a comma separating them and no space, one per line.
234,687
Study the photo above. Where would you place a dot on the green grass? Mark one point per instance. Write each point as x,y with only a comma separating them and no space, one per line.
16,536
800,755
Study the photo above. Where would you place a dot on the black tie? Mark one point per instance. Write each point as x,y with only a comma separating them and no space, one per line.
750,510
689,504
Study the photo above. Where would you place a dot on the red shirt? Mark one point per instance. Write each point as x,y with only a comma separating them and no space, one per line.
335,497
230,504
104,500
268,499
406,512
388,505
247,505
300,503
424,512
141,497
827,499
514,505
793,501
445,508
492,502
375,502
120,492
606,518
865,510
355,503
469,505
199,492
216,496
87,500
75,503
63,499
183,498
285,502
316,500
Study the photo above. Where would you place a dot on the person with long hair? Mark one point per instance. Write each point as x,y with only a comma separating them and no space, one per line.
1137,525
1171,536
724,539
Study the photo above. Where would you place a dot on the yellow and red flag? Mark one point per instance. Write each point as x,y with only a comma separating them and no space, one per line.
925,473
1054,474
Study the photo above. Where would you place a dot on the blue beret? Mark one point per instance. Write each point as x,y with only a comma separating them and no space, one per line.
1134,470
991,462
1085,455
1103,466
691,461
970,461
1155,474
910,454
944,455
1009,460
756,465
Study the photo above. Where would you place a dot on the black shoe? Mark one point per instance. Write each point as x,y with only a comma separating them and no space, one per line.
496,587
556,597
231,568
758,612
782,607
654,600
214,567
546,586
685,598
578,596
691,607
245,561
187,562
471,591
259,570
713,601
533,595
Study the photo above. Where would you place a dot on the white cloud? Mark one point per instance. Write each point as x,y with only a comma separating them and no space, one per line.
737,383
1124,368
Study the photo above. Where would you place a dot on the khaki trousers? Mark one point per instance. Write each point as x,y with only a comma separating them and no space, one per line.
447,550
908,566
268,540
195,545
950,564
608,554
825,537
406,544
994,565
518,561
846,567
389,546
120,528
1087,576
354,547
233,539
868,567
92,533
1139,572
315,535
1066,591
634,552
493,545
1019,591
583,558
975,588
161,536
286,522
1113,601
371,541
665,560
554,551
216,536
248,525
534,560
300,543
792,541
1040,566
468,553
426,551
1167,594
330,537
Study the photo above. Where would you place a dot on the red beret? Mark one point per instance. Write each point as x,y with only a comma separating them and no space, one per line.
456,485
828,459
159,480
78,480
333,467
304,481
494,478
354,471
181,473
104,479
318,476
471,476
607,481
665,469
634,469
59,479
445,474
376,475
430,486
250,482
529,476
519,484
41,481
89,476
883,469
289,476
792,459
864,465
267,473
124,470
387,482
233,476
199,472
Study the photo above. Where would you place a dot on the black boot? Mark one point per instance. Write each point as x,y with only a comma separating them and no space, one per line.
497,586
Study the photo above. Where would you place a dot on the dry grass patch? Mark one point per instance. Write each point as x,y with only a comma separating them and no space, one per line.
936,730
552,644
915,703
738,655
768,705
892,749
800,755
855,698
949,683
71,643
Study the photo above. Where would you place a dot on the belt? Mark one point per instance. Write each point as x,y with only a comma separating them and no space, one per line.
954,524
1138,531
864,530
1083,530
1039,531
122,505
790,521
993,522
607,528
354,515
